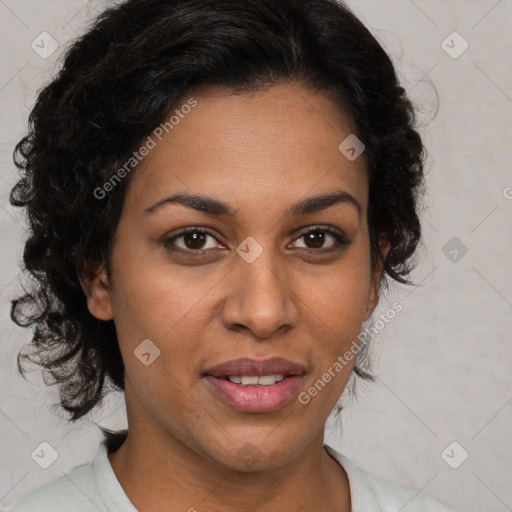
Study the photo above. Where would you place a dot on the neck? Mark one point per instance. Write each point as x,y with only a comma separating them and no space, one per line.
160,473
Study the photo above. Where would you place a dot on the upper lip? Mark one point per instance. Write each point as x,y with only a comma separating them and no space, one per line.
247,366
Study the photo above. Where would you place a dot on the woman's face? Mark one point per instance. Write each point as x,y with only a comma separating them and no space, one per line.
248,282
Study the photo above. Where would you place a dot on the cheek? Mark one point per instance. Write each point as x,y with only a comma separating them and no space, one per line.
167,304
338,294
334,310
160,304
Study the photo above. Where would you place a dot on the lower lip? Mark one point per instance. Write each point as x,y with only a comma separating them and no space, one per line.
255,398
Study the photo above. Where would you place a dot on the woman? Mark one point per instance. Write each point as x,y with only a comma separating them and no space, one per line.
217,191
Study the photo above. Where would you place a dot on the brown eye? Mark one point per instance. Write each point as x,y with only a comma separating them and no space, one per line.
194,240
316,238
191,240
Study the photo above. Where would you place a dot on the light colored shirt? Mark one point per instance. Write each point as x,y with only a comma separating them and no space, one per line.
94,487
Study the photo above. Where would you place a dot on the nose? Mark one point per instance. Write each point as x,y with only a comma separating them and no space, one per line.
259,296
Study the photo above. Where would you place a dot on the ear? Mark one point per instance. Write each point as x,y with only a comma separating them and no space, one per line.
374,292
96,286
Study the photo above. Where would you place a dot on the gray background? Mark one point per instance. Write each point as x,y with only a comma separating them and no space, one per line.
443,362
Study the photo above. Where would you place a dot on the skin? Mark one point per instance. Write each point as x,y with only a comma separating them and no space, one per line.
259,153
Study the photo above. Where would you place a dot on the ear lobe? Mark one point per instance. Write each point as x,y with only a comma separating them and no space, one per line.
374,292
95,285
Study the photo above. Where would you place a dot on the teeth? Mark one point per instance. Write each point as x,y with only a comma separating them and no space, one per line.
253,380
249,381
267,380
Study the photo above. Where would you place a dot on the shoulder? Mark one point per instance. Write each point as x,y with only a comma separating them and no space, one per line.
74,491
369,493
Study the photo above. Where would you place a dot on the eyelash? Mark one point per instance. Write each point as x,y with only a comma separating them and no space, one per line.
341,240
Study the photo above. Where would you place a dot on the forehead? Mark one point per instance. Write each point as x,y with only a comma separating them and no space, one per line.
252,146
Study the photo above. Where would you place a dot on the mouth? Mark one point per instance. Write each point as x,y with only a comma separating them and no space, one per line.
249,385
255,380
247,367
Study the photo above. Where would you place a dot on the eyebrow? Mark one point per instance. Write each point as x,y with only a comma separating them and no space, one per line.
213,206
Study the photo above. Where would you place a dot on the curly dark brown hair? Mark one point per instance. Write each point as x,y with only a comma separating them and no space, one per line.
119,81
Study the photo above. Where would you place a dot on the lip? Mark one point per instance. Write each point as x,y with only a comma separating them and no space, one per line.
248,366
255,399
